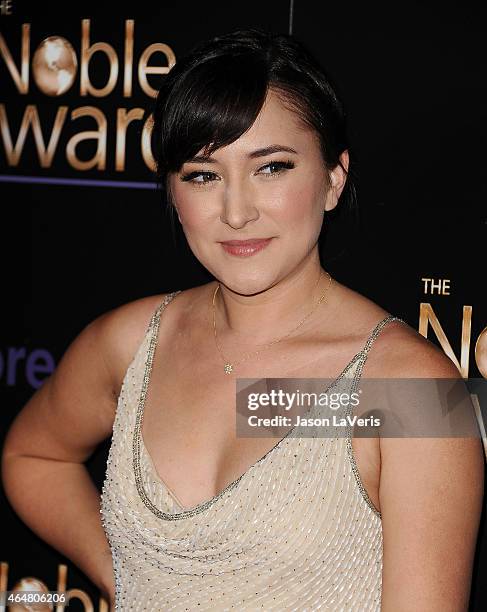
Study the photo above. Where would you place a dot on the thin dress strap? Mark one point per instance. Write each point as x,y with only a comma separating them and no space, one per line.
167,298
376,331
370,341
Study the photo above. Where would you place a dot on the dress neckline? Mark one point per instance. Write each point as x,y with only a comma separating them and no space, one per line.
139,444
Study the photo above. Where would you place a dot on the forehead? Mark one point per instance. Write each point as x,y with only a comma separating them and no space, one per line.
276,114
276,123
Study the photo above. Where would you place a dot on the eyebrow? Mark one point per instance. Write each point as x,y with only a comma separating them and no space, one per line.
257,153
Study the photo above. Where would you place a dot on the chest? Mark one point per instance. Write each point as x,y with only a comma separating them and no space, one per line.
189,431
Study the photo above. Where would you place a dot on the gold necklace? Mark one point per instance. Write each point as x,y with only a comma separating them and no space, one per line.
229,367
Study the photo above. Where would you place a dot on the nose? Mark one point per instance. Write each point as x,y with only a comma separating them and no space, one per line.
238,206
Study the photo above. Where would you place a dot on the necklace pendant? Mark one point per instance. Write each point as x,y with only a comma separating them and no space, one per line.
228,367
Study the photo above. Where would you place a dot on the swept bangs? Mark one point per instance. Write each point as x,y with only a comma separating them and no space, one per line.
209,106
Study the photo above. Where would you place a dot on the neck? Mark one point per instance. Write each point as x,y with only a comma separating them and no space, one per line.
261,317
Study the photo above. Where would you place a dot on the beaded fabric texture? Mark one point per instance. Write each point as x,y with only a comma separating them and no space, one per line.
297,531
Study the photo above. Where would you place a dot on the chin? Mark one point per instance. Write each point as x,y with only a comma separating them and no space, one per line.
245,285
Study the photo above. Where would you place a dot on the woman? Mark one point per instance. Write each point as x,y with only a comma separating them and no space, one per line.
252,151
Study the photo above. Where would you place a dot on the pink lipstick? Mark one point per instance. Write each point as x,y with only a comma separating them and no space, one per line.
245,248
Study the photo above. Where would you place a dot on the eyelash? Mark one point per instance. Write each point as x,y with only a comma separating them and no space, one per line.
283,165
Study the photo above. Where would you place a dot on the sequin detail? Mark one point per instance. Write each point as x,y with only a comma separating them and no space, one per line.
296,531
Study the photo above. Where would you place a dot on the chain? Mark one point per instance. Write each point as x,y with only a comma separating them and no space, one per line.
229,366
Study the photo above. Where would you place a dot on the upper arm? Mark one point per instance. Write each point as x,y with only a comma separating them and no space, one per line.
74,409
430,495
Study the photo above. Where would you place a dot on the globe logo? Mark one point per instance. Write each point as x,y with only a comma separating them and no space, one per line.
54,66
26,586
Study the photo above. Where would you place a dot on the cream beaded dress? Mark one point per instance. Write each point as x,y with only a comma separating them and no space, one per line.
297,531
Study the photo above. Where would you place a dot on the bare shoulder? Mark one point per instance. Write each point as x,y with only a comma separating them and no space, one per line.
122,329
120,332
74,409
402,352
399,350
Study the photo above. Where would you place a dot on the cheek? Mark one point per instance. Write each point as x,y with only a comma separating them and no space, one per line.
193,209
299,204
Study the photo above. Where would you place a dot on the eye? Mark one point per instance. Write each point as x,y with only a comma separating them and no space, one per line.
199,178
276,167
192,176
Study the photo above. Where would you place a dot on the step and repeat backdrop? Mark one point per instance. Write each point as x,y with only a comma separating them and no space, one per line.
83,228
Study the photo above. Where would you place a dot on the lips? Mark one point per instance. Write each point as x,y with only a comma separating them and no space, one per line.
245,242
245,248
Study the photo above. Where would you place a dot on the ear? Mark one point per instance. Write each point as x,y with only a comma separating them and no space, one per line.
338,177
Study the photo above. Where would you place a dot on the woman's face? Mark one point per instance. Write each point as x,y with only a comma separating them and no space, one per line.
270,183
